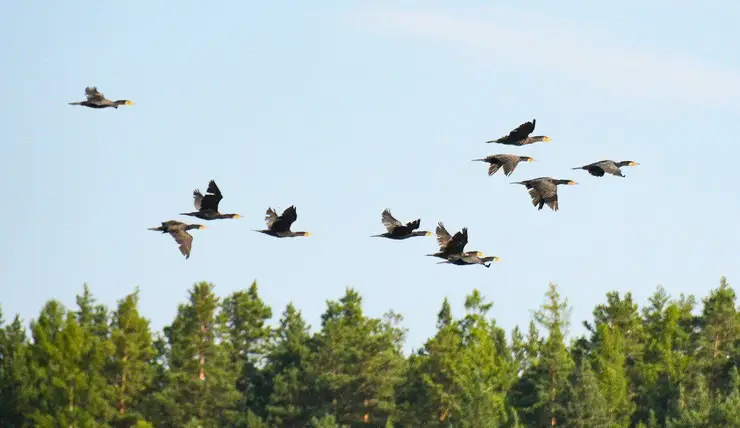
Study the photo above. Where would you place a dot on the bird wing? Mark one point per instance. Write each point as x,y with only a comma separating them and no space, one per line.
283,222
508,162
545,188
270,217
184,239
608,166
197,199
212,198
443,236
389,221
520,132
93,94
595,170
458,241
413,225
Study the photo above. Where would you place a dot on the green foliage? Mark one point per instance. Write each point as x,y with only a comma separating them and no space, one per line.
670,364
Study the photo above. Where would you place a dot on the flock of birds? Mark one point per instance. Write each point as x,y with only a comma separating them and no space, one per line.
542,190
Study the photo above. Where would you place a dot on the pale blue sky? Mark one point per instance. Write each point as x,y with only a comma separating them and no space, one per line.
346,108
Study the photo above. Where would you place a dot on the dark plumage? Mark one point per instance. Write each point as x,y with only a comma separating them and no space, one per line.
279,226
207,205
96,99
597,169
544,190
520,135
471,258
450,244
508,162
397,230
178,231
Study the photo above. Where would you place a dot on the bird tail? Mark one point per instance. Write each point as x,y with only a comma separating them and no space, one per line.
190,214
156,229
76,103
579,167
491,141
473,160
517,182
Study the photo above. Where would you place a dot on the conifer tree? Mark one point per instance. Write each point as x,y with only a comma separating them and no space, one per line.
15,381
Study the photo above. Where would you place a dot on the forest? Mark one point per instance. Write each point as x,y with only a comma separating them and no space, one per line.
670,363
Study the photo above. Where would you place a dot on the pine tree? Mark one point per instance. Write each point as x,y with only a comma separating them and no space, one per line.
129,372
15,391
290,398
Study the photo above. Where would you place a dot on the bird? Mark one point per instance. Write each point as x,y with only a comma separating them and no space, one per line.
396,230
96,99
471,258
597,169
449,244
207,205
520,136
509,162
543,190
279,226
179,231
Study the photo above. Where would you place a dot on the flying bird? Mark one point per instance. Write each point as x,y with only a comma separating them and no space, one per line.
279,225
597,169
508,162
520,136
178,231
471,258
207,205
96,99
449,244
397,230
544,190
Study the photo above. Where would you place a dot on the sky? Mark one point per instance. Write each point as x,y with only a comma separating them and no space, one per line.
344,109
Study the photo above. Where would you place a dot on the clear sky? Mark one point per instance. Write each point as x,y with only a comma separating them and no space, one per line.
345,108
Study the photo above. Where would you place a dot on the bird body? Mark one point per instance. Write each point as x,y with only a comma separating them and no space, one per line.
544,190
96,99
179,232
471,258
279,225
398,231
519,136
597,169
508,162
207,205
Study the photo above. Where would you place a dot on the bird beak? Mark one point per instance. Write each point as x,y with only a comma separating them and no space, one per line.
530,160
496,259
202,227
129,103
307,234
428,234
571,183
546,139
237,216
634,163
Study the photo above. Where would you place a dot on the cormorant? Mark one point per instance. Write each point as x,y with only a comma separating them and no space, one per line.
509,162
396,230
279,226
96,99
520,136
178,231
597,169
544,190
471,258
207,205
450,244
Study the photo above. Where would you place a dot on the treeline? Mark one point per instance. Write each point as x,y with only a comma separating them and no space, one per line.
673,363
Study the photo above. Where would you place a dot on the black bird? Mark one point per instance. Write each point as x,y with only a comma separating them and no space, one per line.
508,162
96,99
207,205
544,190
471,258
279,226
178,231
396,230
448,244
597,169
520,136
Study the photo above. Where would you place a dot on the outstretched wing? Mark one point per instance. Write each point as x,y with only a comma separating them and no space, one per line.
458,242
197,199
184,239
270,217
443,236
212,198
93,94
520,132
413,225
389,221
283,222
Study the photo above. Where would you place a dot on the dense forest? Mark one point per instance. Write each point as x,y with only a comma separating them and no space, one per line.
672,363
